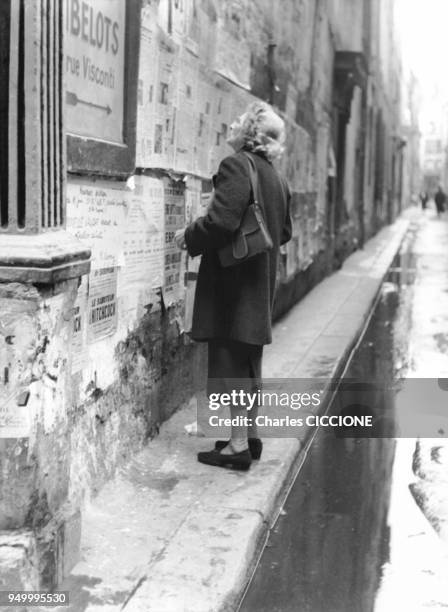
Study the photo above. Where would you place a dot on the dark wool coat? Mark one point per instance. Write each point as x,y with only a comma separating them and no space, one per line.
236,302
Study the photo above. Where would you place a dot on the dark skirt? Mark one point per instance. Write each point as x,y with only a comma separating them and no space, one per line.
233,365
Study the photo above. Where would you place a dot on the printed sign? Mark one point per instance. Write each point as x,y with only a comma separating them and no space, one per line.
174,257
187,115
143,243
197,196
79,338
147,88
102,307
94,62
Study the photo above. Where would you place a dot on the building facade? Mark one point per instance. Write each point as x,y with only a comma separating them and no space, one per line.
114,118
434,143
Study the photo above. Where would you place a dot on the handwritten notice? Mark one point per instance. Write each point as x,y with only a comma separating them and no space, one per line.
174,257
102,308
94,62
95,215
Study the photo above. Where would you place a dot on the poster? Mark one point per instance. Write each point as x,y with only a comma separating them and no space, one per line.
102,303
95,215
147,87
79,339
157,96
143,233
204,127
14,419
232,49
165,103
208,24
197,196
174,192
295,163
193,26
220,122
94,62
172,17
193,199
187,116
291,101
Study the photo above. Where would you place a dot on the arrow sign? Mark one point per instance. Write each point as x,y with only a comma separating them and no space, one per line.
72,99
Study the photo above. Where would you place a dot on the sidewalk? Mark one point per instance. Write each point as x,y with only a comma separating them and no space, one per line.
171,534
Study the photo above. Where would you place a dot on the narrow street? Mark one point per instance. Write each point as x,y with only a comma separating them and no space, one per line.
351,535
241,196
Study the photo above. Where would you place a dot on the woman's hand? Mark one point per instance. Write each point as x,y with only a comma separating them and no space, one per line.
179,239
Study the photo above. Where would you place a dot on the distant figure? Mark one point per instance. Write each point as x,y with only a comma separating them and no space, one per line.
440,199
423,199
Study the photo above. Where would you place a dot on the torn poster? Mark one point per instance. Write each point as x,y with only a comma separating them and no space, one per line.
79,339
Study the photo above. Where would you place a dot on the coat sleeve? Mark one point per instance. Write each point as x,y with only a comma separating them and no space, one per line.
225,211
287,226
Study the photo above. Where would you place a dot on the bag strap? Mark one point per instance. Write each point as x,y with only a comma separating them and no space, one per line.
253,176
284,188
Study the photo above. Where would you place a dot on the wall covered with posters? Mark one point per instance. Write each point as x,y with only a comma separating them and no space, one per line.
93,367
201,63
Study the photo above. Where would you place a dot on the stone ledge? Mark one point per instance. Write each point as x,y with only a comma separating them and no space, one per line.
42,258
18,569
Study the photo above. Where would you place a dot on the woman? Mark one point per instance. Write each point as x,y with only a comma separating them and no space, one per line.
233,305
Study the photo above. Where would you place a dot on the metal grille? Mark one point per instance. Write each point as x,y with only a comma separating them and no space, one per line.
4,92
32,148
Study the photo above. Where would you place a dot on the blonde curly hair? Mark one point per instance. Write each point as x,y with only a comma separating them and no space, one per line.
263,131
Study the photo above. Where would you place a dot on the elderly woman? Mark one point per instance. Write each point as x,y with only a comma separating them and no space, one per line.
233,305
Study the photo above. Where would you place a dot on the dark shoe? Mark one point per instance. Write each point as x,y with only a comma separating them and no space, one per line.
255,446
236,461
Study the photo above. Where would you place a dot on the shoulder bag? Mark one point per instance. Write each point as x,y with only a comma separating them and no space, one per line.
252,237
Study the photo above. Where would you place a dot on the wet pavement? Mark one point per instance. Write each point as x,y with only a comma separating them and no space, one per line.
351,536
